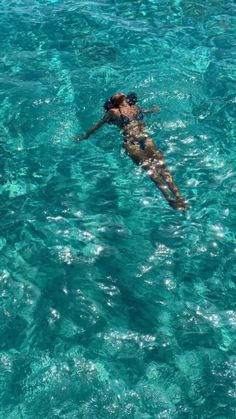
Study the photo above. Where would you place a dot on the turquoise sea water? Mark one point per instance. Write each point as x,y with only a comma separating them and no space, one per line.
113,305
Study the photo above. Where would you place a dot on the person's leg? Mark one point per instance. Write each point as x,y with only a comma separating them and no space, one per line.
134,152
162,187
151,160
167,177
157,179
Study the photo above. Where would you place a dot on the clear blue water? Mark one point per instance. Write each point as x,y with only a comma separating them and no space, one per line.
113,305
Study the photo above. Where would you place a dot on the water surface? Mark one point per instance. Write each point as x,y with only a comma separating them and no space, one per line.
113,305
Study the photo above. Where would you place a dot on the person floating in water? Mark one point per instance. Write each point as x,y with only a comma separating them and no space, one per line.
122,111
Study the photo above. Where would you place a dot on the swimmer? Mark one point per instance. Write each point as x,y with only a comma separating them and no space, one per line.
122,111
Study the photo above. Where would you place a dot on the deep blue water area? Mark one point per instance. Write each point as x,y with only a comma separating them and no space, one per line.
113,305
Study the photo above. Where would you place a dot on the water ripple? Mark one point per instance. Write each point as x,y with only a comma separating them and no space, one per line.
113,305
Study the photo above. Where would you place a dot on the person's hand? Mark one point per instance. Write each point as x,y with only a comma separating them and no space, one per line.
80,137
155,108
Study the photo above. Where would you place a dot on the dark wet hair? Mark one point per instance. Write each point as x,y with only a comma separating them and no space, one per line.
131,97
109,104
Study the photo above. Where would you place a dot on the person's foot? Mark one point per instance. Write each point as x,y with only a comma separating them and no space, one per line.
179,204
183,204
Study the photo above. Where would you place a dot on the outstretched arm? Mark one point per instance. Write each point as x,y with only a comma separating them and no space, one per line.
93,129
155,108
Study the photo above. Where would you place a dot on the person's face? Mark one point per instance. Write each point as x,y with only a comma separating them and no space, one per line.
118,98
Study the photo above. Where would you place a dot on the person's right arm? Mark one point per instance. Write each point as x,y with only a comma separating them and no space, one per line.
94,128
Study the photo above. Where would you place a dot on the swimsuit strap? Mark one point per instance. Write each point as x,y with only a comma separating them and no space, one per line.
126,119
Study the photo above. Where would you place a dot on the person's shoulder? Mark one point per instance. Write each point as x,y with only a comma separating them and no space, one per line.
113,112
110,116
113,115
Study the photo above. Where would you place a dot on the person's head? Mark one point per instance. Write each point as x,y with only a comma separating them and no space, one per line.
118,98
114,101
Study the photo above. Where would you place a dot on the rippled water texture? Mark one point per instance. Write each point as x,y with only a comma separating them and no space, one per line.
113,305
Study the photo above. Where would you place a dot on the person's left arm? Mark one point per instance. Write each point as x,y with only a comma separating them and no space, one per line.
155,108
